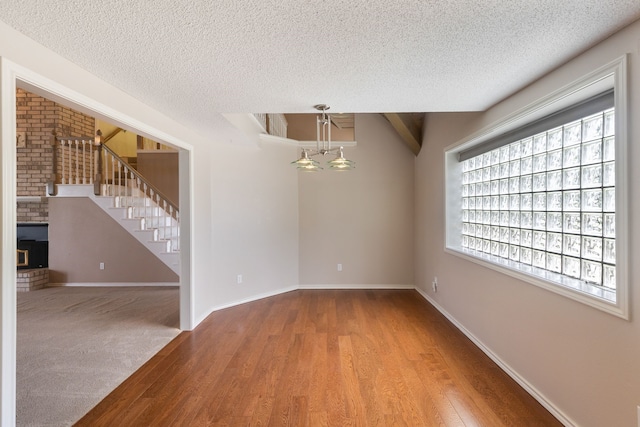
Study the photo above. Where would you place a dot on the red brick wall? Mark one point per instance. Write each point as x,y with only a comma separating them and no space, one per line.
38,117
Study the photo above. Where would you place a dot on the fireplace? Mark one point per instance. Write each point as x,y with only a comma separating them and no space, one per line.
33,245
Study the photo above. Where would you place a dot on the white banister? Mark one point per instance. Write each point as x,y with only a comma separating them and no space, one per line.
80,158
278,125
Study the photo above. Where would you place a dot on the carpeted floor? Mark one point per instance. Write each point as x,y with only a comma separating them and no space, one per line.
76,344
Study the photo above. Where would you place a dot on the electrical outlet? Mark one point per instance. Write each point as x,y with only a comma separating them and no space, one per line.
239,279
102,266
434,284
339,267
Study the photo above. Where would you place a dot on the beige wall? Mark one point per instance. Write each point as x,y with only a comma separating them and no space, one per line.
303,127
585,362
363,218
81,236
124,144
160,168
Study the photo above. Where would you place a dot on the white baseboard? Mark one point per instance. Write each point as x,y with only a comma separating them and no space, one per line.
357,286
113,284
244,301
295,288
535,393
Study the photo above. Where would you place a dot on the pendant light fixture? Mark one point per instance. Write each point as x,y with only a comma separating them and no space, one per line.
323,147
306,163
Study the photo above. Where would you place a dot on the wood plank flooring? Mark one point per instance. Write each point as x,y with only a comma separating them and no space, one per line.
322,358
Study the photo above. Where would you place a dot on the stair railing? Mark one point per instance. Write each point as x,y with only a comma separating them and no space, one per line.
74,160
277,125
89,161
132,191
273,124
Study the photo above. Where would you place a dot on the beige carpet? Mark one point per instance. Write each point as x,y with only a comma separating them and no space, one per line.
76,344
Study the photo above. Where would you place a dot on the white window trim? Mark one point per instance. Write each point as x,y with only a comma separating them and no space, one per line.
612,75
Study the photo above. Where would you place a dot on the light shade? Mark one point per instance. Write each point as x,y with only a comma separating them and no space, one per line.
306,163
340,163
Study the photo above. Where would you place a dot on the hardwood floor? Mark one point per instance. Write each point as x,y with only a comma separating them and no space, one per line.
322,358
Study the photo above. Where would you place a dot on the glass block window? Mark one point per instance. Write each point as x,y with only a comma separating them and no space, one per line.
547,202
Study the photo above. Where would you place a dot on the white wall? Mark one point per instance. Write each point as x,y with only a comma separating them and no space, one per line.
254,231
244,216
586,363
363,218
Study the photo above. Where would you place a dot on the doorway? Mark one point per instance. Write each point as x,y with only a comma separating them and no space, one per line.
13,76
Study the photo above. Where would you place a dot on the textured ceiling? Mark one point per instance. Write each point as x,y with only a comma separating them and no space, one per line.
195,59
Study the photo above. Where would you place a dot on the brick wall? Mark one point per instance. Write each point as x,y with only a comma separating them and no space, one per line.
74,123
39,117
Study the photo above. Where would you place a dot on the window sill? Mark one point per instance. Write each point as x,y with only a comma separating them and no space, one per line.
575,289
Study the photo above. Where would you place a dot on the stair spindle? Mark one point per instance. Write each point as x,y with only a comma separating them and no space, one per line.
91,160
113,175
77,163
177,228
63,179
164,220
84,165
69,164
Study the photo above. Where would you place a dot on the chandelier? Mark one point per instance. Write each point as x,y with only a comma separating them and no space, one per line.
323,147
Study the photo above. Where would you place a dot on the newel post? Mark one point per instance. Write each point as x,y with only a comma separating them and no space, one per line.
97,183
53,179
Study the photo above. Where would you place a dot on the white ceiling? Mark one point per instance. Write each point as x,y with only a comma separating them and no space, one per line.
195,59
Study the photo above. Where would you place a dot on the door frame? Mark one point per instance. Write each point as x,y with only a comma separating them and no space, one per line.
13,76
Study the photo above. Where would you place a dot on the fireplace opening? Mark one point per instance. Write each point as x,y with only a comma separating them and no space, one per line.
33,245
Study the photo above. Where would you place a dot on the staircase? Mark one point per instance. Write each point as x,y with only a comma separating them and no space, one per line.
122,193
141,217
148,223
